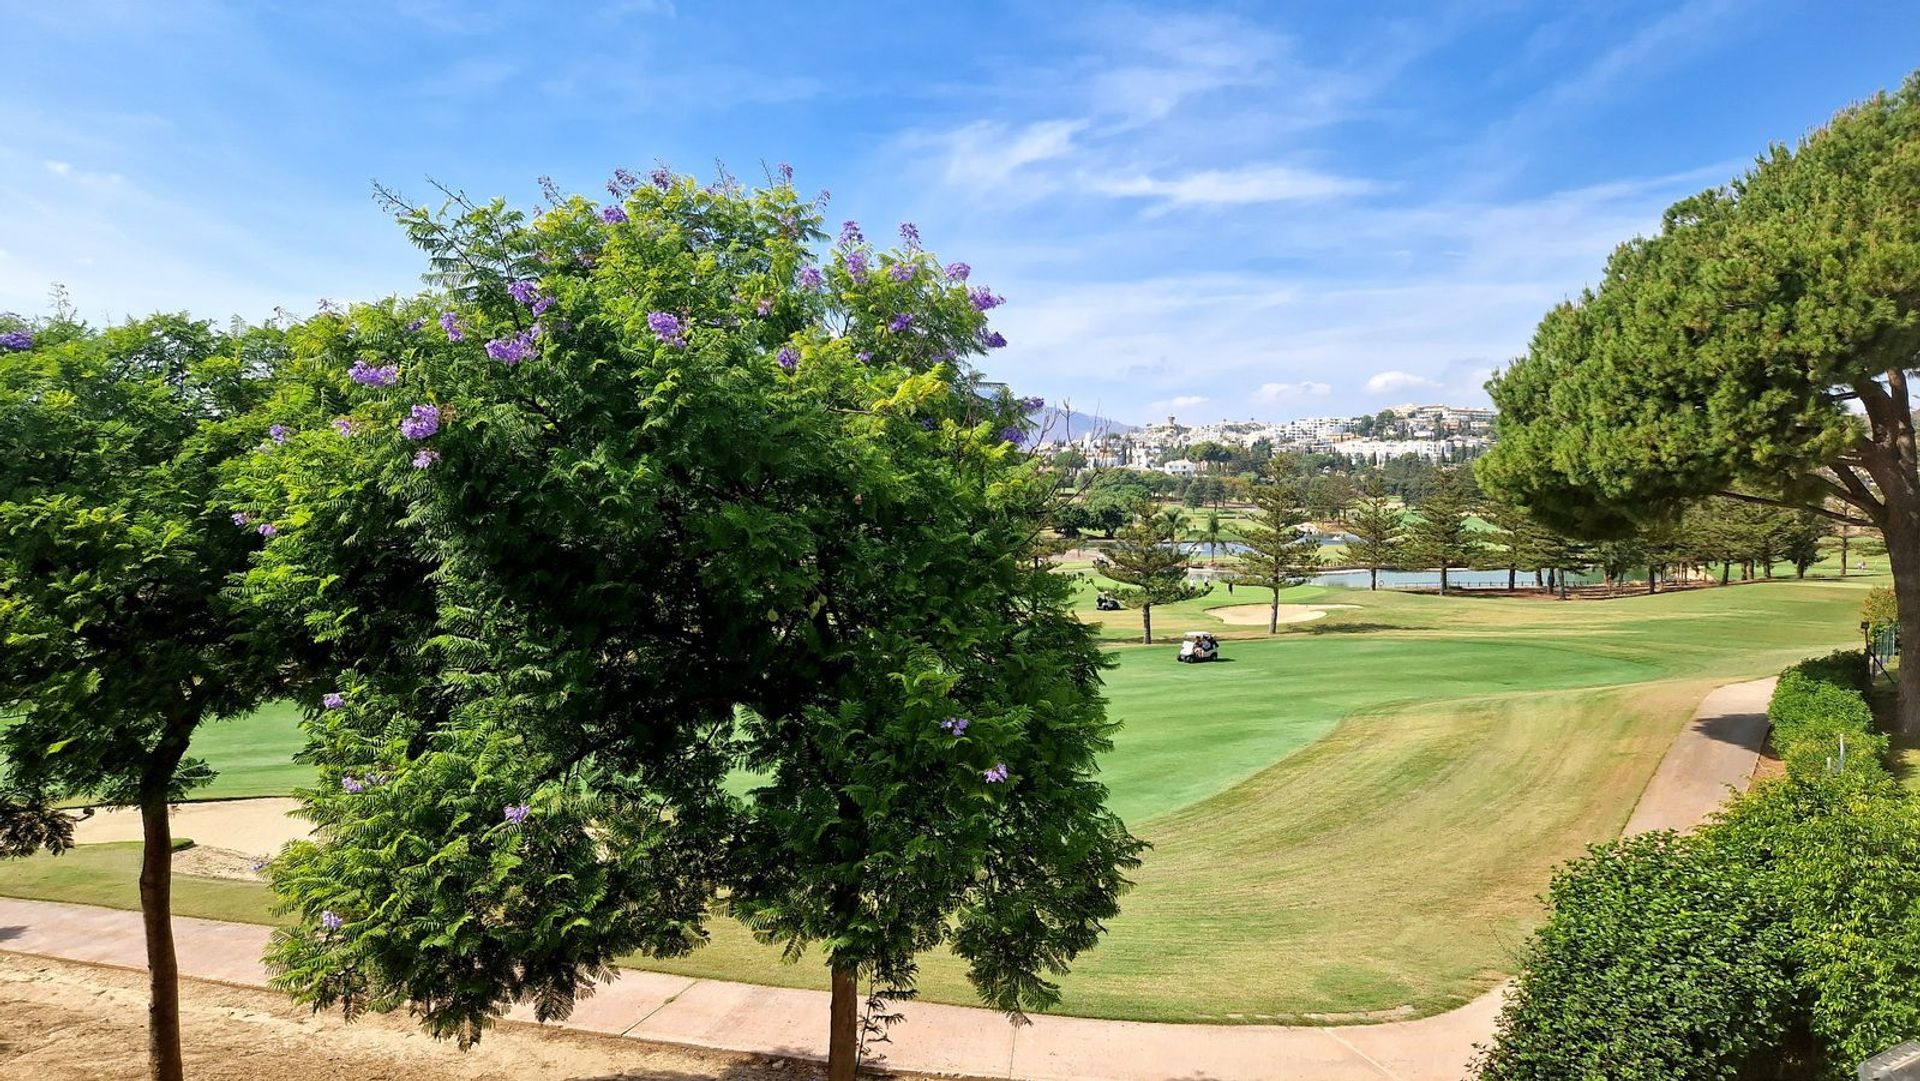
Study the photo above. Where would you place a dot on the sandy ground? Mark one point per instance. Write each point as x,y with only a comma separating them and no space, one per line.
255,827
1255,615
64,1021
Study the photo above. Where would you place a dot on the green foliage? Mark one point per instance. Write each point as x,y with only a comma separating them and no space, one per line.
1817,709
1879,609
729,509
1280,552
1376,526
1661,961
1438,535
1150,559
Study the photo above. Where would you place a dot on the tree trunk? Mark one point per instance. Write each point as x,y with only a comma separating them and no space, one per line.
1561,573
1843,551
843,1027
1146,624
1653,580
1273,613
156,905
1513,577
1902,532
1373,578
1726,568
1443,579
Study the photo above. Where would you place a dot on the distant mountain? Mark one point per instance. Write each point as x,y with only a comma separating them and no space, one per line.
1055,425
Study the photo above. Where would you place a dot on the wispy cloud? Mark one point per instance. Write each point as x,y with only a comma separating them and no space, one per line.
1253,184
1274,393
1398,382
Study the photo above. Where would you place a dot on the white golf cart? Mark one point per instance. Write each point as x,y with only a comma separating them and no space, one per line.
1199,646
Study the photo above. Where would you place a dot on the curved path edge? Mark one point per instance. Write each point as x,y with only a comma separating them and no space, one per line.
1716,751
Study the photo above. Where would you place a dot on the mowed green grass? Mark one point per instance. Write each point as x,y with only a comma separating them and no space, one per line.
1351,818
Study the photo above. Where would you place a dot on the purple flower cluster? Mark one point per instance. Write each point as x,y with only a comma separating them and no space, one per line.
524,290
668,327
810,278
368,375
512,350
267,529
786,173
850,234
996,774
764,306
788,358
993,339
956,726
622,184
613,215
548,189
1012,435
983,299
279,433
450,323
424,459
333,700
957,272
661,177
900,322
242,518
857,266
902,272
910,235
343,425
416,325
16,341
1032,405
516,813
352,786
331,921
422,421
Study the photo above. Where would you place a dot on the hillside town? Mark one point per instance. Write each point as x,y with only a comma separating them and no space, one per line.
1439,433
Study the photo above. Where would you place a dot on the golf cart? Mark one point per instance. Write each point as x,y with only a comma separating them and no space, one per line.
1105,602
1199,646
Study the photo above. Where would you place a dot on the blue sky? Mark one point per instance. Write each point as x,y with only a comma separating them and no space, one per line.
1241,210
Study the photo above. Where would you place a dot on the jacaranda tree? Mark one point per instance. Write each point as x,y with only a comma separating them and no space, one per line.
119,632
650,490
1758,347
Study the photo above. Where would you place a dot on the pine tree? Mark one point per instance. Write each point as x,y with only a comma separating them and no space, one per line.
1439,536
1149,558
1378,530
1280,553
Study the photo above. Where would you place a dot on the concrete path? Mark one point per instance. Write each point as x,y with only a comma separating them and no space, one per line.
1710,759
1716,751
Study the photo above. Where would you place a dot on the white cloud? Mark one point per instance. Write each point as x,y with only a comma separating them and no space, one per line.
59,168
987,153
1184,401
1395,382
1253,184
1287,392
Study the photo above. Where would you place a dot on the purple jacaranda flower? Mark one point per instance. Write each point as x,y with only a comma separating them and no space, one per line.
540,306
764,306
786,173
424,459
524,290
850,234
910,235
788,358
983,298
900,322
266,529
661,177
278,433
996,774
613,215
955,725
368,375
16,341
1032,405
416,325
331,921
548,189
1012,435
511,350
622,184
957,272
450,323
863,356
810,278
333,700
327,307
857,266
516,813
929,423
242,518
353,785
343,425
993,339
422,421
943,356
668,327
902,272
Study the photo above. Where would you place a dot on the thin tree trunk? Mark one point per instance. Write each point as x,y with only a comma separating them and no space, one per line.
1373,578
1273,613
1562,573
1146,624
843,1028
1513,577
156,906
1443,579
1726,567
1653,580
1843,551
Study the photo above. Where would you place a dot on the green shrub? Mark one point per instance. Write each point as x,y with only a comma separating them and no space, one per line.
1661,960
1817,709
1842,667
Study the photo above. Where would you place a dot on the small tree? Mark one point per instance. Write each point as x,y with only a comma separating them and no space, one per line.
1210,533
121,633
1377,527
1439,536
1148,559
1280,552
1801,540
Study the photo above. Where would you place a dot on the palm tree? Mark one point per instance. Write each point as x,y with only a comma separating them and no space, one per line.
1210,534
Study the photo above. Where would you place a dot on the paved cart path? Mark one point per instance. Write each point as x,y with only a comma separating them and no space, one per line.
1715,752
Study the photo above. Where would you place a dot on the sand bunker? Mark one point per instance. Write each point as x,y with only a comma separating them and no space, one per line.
256,827
1255,615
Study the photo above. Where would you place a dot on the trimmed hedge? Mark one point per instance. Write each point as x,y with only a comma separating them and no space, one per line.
1817,707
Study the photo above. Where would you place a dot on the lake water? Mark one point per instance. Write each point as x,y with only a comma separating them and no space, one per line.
1465,579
